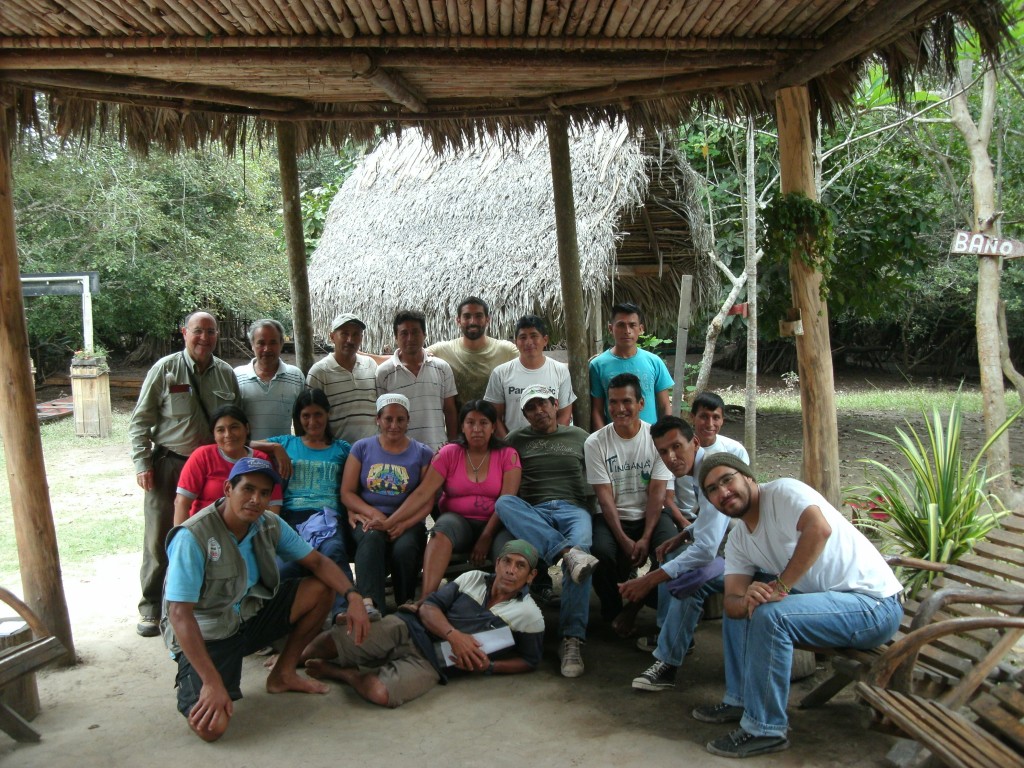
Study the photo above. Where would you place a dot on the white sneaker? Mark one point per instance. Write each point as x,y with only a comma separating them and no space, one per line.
578,564
572,659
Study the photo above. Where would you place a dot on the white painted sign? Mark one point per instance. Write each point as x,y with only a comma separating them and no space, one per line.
973,244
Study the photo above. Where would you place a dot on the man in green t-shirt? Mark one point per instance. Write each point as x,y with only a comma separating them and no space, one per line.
474,354
552,511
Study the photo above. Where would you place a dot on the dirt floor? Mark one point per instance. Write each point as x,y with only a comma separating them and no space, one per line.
116,707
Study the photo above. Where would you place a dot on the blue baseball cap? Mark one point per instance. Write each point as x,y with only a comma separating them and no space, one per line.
252,465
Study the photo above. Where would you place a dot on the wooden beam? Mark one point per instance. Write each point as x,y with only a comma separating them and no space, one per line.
36,537
302,318
102,83
653,62
392,85
846,42
392,42
569,268
813,347
656,88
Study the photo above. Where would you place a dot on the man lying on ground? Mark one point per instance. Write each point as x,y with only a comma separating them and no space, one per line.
827,587
413,651
224,599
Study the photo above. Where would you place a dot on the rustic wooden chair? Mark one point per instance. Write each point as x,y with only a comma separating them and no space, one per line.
989,735
24,659
987,583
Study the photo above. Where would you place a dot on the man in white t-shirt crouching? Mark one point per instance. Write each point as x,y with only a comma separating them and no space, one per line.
629,480
829,588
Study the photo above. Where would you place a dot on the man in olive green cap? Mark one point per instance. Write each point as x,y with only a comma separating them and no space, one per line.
480,623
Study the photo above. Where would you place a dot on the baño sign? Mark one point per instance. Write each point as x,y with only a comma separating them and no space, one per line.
973,244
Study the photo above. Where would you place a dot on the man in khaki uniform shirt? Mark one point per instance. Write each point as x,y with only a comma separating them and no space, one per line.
170,421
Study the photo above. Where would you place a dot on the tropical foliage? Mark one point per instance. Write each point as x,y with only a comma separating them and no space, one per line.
937,506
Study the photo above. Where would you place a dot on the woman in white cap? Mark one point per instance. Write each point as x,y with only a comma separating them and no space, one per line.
379,475
471,472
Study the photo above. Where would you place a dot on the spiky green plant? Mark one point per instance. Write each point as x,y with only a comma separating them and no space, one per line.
938,507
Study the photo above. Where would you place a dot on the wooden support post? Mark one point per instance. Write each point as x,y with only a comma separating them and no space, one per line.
569,268
813,348
682,340
19,426
298,276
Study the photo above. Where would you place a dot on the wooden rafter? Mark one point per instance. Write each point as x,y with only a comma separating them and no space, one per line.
106,84
849,42
391,84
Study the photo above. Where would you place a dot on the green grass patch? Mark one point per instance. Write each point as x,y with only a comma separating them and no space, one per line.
97,508
904,399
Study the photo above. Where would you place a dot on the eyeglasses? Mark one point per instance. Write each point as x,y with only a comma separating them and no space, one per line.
723,481
203,331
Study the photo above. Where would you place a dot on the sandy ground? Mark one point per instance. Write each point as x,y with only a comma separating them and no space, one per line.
116,708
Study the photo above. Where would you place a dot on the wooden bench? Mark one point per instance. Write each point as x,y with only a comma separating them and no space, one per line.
989,734
988,582
23,659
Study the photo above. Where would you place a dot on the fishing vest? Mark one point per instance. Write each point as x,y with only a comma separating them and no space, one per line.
225,577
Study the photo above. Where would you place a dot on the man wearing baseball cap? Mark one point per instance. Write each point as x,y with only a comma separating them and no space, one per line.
828,587
224,598
349,379
484,624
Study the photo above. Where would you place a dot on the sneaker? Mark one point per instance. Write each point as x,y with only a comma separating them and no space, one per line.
572,659
658,677
718,713
148,626
649,644
579,564
739,743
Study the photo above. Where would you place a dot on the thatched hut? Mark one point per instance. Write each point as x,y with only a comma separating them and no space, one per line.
413,229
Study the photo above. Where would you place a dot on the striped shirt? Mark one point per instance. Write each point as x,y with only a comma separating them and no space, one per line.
268,404
426,391
352,395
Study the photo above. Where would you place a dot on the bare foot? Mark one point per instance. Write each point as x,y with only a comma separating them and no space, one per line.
291,681
270,661
623,623
323,669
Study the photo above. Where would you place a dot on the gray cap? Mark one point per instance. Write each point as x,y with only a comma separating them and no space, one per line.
346,317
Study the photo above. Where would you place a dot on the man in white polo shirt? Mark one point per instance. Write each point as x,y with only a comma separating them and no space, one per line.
426,380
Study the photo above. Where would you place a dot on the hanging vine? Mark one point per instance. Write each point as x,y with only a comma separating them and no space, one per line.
795,224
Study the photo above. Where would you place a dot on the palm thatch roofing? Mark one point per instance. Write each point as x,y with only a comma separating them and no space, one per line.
410,229
181,73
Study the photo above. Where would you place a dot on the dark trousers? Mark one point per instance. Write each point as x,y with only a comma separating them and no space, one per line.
375,556
158,512
614,564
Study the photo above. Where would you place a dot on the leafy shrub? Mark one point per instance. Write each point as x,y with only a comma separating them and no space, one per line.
938,508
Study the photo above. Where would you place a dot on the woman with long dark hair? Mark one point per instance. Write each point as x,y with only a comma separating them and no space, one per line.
471,472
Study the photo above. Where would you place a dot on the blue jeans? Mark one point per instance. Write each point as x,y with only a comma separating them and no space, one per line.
551,527
681,619
821,619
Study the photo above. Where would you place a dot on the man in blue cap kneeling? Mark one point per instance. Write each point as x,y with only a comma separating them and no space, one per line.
224,598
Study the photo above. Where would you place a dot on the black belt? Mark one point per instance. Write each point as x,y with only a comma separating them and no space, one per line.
160,451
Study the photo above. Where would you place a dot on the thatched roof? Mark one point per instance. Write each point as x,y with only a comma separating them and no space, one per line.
413,230
179,73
